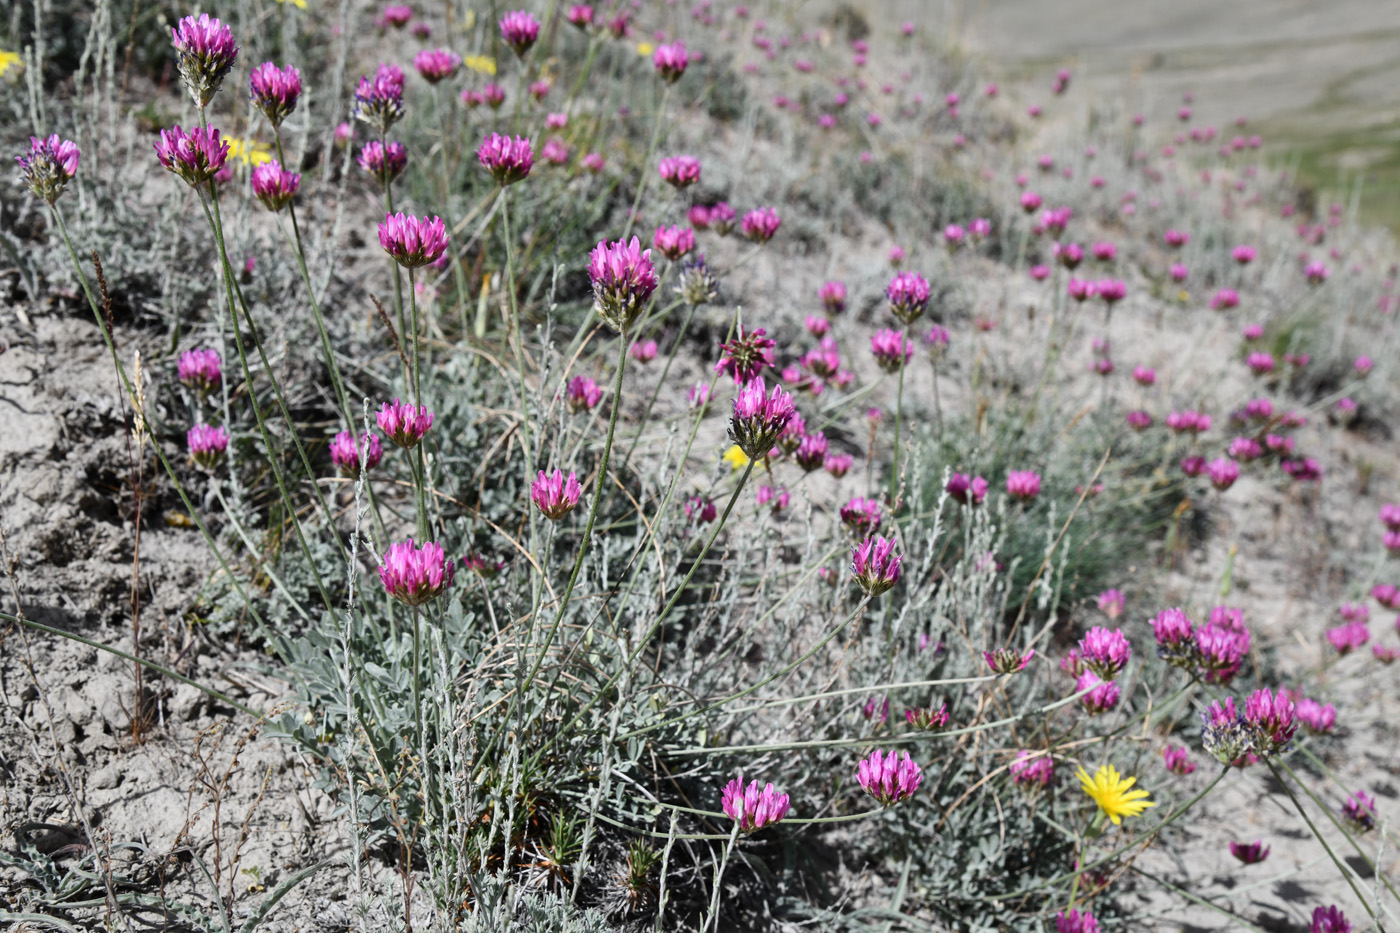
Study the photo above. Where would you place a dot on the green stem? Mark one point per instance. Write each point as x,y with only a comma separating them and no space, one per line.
898,418
268,446
1318,836
326,349
598,486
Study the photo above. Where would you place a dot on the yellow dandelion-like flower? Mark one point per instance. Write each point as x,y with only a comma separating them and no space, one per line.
1111,792
249,151
645,48
8,60
736,457
481,64
299,4
1183,296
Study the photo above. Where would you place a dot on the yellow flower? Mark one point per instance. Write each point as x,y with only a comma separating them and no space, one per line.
1110,791
248,151
8,60
299,4
736,457
645,48
481,64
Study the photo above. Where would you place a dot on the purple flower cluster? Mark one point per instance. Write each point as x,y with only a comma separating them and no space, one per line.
891,349
206,53
670,61
1032,769
200,370
274,186
554,495
889,778
207,445
746,355
875,564
750,807
196,156
437,64
345,452
385,161
275,91
413,241
379,100
908,294
623,279
508,160
760,224
403,423
48,166
760,417
520,31
415,575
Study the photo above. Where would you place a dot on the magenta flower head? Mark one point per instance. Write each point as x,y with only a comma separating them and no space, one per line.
891,349
1225,299
379,101
1223,732
396,15
623,279
206,53
275,90
1030,202
1110,291
1347,638
1178,760
1103,695
1316,717
519,30
967,490
1250,853
1389,516
811,451
1105,651
876,709
207,445
508,160
670,61
415,575
437,64
759,418
404,424
1316,273
1080,289
1032,770
1070,255
274,186
582,394
1179,272
926,717
1177,238
1270,721
908,294
554,495
862,516
1175,634
581,15
1329,920
1075,921
200,370
1023,484
1007,660
385,161
1111,603
833,296
760,224
750,807
48,166
1243,255
413,241
722,218
196,156
875,565
674,242
889,778
1223,473
644,351
1360,810
746,355
838,465
345,452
